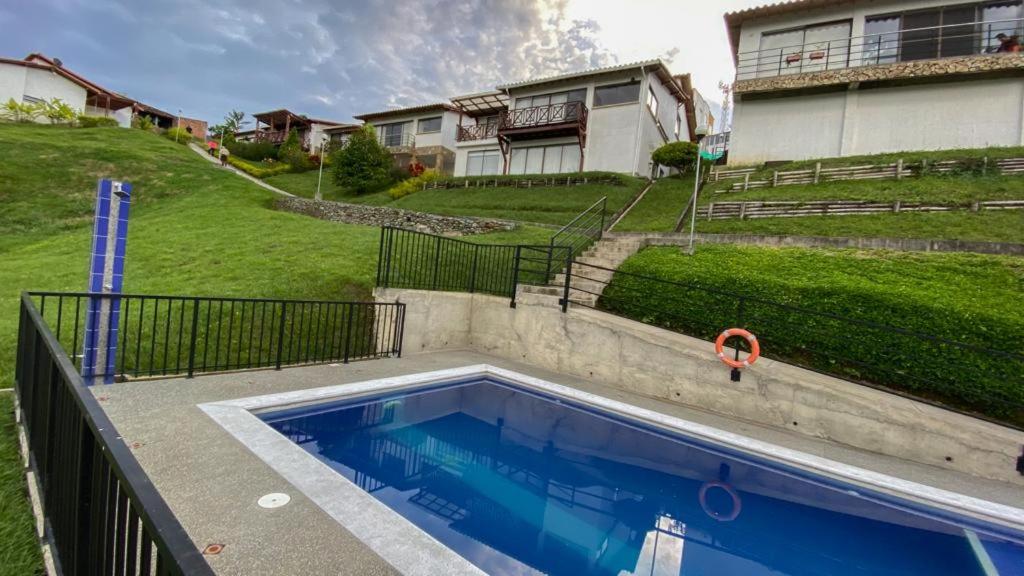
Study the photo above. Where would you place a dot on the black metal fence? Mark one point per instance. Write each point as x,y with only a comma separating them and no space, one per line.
180,335
981,380
584,229
103,514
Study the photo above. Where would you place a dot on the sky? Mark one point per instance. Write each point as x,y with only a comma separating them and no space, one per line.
333,59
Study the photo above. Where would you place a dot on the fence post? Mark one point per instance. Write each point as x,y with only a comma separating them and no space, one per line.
896,206
547,264
746,181
899,169
817,172
437,263
192,338
280,335
743,210
711,209
775,178
515,277
984,166
348,330
472,273
568,283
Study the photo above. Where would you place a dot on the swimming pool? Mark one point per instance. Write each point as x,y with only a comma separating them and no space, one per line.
484,470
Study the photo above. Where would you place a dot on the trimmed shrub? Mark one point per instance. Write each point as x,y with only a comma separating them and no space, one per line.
86,121
414,184
678,155
510,180
363,165
794,300
254,151
257,171
178,134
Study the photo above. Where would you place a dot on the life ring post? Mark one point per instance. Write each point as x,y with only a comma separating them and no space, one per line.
736,364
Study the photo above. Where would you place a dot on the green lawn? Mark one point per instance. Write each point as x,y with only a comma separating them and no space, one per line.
968,298
659,209
195,230
19,548
994,153
544,205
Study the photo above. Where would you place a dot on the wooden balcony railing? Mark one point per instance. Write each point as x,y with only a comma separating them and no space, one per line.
550,116
272,136
478,132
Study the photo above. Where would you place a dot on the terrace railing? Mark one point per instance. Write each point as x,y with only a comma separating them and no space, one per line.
951,40
566,113
184,335
584,229
477,132
103,514
397,140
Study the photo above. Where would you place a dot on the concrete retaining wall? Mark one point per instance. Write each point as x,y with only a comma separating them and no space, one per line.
657,363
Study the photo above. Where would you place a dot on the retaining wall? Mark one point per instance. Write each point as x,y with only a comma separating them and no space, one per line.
668,366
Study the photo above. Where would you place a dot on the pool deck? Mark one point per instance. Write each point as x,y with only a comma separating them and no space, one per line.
212,482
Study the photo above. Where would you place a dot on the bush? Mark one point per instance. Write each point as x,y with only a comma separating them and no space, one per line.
254,151
143,123
178,134
291,152
414,184
86,121
363,165
58,111
257,171
791,295
20,111
678,155
510,180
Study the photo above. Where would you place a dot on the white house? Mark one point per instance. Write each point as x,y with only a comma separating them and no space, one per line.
827,78
426,133
608,119
274,127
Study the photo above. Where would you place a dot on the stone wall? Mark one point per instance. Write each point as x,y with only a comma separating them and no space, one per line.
384,216
672,367
963,65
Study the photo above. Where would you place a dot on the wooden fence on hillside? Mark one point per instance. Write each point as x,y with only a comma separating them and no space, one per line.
512,182
749,210
894,171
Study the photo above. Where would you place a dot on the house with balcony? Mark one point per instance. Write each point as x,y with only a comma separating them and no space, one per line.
828,78
424,133
608,119
275,125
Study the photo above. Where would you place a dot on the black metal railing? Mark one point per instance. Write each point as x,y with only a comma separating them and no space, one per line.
951,40
184,335
103,515
985,381
565,113
584,229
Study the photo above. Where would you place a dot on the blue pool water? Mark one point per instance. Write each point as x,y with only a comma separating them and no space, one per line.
520,483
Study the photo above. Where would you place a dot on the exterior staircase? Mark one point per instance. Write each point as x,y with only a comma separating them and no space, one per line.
588,283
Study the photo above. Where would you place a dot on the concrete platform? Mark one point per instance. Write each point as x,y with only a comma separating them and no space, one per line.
212,482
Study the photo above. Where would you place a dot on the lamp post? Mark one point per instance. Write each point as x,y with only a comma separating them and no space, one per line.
696,189
178,127
320,176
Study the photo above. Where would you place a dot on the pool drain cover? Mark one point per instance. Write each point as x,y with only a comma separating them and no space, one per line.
273,500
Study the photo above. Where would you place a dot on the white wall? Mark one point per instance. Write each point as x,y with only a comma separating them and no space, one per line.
20,81
445,138
963,114
463,150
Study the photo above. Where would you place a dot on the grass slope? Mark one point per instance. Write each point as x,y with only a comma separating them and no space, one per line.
545,205
659,209
195,229
968,298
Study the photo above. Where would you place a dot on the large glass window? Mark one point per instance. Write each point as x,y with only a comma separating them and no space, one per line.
392,134
558,159
483,163
809,49
578,95
429,125
882,41
957,30
652,101
617,94
1000,18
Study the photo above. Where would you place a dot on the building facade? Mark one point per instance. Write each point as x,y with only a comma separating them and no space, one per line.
607,119
274,127
425,134
875,76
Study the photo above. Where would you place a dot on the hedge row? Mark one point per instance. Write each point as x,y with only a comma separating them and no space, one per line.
258,171
514,180
834,324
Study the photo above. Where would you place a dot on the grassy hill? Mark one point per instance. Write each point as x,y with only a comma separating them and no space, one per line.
935,189
554,205
195,229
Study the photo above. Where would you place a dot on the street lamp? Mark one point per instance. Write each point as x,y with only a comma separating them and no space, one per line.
320,176
701,133
178,127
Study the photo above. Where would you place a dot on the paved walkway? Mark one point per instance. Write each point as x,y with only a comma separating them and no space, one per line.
195,148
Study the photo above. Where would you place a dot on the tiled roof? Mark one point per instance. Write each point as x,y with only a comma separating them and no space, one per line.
584,73
409,110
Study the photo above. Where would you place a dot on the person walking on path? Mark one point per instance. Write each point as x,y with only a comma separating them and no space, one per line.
211,148
224,153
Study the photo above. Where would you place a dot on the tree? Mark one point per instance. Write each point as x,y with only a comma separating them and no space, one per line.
363,165
231,126
291,152
678,155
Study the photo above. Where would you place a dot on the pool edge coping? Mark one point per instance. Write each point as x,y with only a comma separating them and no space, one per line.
320,483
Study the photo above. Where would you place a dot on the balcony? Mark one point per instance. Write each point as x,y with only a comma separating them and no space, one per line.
970,47
397,140
566,118
271,136
478,132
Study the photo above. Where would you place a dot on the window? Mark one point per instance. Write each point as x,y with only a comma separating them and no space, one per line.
559,159
881,45
617,94
578,95
427,125
958,30
679,124
428,160
31,99
483,163
808,49
652,101
392,134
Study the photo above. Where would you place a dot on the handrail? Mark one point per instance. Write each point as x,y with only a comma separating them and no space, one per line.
77,450
869,49
574,112
476,132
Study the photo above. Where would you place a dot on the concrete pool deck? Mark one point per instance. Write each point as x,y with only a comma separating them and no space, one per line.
212,482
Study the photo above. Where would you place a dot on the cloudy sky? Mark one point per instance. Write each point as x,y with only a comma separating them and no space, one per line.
333,59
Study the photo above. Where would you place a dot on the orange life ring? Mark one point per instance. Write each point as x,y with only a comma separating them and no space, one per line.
755,348
737,504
